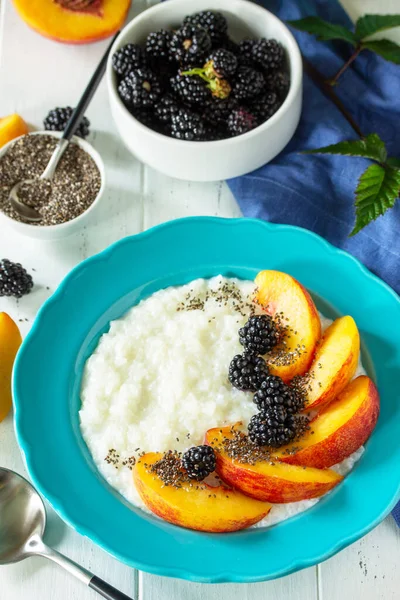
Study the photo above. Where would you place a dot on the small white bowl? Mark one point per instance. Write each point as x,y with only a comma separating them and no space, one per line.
210,161
54,232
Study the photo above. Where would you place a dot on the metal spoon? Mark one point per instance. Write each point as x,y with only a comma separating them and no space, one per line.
26,212
22,524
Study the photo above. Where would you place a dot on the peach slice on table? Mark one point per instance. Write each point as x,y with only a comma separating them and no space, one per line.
196,505
10,341
280,294
335,362
11,127
275,481
339,429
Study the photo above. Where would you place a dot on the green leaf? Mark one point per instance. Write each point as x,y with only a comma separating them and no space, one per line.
394,162
370,147
377,190
385,48
324,30
369,24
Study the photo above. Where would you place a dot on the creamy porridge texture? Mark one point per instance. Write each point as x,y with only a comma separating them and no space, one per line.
158,379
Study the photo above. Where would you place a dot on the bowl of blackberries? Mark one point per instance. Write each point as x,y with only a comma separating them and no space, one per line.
208,94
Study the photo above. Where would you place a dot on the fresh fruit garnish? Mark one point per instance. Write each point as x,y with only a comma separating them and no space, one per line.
58,118
268,54
248,83
127,58
10,341
221,63
11,127
260,334
247,371
285,299
241,464
212,21
339,429
190,44
14,279
187,125
199,462
273,392
275,427
192,504
140,88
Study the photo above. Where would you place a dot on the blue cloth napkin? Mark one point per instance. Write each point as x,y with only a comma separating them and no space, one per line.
317,192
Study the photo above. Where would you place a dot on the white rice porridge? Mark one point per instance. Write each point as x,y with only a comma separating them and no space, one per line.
158,380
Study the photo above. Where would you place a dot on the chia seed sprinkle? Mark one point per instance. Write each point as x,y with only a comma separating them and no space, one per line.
73,189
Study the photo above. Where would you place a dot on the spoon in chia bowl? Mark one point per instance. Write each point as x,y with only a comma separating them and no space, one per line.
27,212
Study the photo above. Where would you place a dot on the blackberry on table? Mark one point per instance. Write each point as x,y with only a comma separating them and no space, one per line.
199,462
268,54
140,88
278,83
190,89
265,105
260,334
58,118
14,279
248,83
190,45
157,46
167,106
187,125
221,63
272,428
213,22
247,371
273,392
127,58
241,121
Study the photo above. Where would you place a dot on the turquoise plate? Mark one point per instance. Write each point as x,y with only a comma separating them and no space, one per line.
48,373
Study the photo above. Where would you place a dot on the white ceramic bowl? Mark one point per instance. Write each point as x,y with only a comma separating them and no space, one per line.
53,232
210,161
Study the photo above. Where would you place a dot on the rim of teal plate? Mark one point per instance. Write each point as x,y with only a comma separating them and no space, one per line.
59,506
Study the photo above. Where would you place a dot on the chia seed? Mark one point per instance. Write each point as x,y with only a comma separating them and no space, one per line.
72,190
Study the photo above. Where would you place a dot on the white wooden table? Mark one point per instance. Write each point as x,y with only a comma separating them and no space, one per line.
36,75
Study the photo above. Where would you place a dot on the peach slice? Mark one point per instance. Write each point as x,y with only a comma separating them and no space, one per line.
10,341
275,481
196,506
339,429
335,362
279,293
11,127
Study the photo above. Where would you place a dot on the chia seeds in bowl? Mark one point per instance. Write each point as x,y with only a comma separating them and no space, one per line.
74,188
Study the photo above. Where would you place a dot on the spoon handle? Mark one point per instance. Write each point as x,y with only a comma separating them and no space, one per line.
87,95
106,590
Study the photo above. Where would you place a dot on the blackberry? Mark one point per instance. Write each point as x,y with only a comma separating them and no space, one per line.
260,334
217,111
140,88
247,371
199,462
157,47
248,83
127,58
241,121
165,108
14,280
145,116
272,428
229,44
213,22
58,118
187,125
220,88
190,89
278,83
246,52
221,63
190,45
273,392
264,106
268,54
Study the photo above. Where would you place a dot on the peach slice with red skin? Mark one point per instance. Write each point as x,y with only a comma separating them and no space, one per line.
196,505
65,21
339,429
280,294
275,481
335,362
